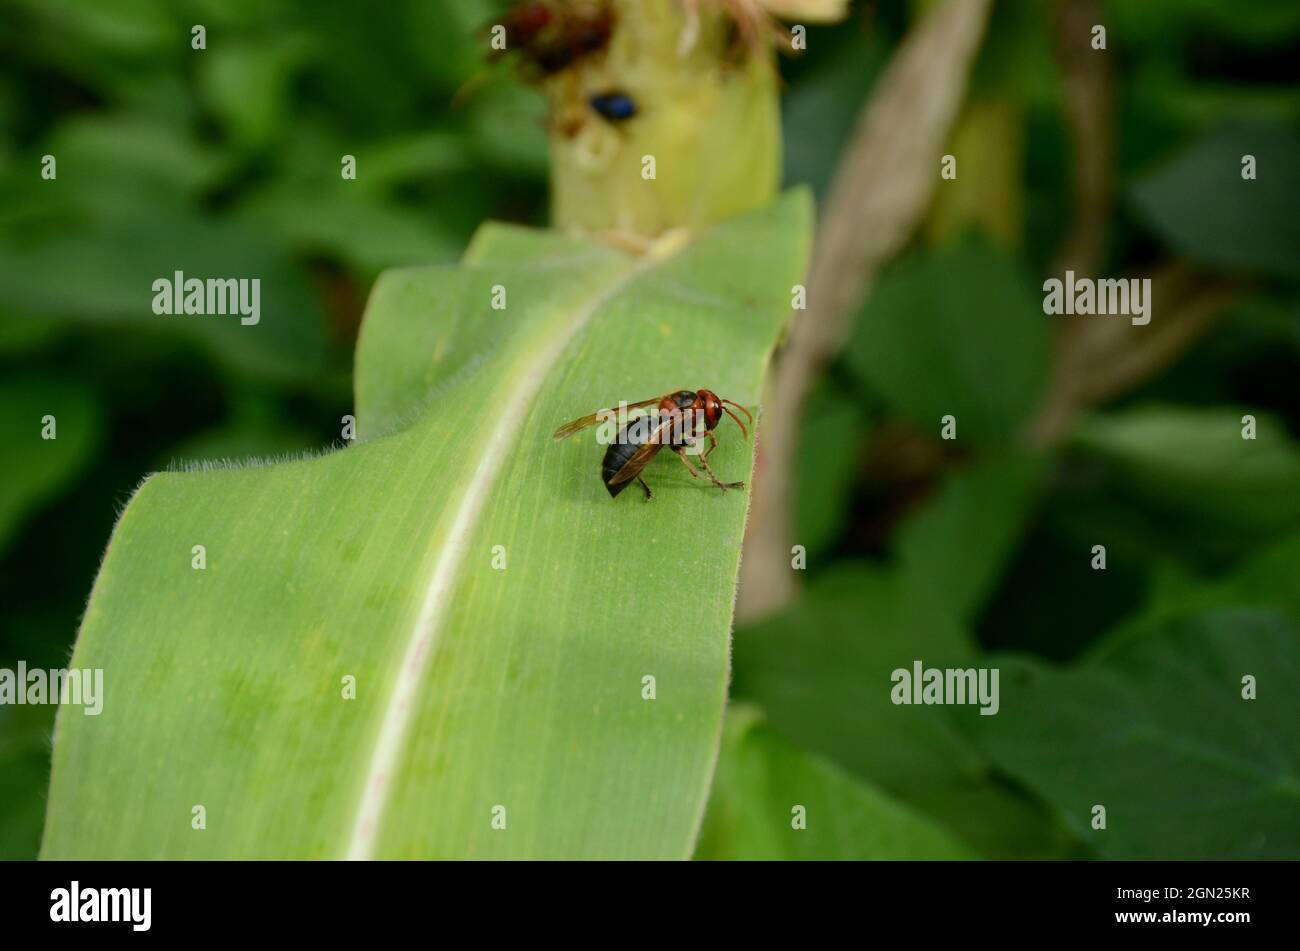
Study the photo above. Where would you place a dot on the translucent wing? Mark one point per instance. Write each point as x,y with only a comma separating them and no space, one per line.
641,458
568,429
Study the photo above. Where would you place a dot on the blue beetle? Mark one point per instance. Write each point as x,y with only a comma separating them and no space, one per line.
614,106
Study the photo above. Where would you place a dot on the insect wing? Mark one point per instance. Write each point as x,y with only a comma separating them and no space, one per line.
577,425
641,458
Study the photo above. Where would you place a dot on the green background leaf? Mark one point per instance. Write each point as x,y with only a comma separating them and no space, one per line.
821,673
1232,222
36,468
1196,462
761,778
983,508
1159,734
957,332
828,462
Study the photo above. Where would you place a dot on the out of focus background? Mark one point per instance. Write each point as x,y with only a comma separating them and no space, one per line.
1125,164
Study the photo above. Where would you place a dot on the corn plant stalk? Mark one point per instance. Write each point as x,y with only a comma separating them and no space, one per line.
708,121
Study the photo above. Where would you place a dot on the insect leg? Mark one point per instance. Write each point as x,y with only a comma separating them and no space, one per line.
700,437
725,485
649,496
681,454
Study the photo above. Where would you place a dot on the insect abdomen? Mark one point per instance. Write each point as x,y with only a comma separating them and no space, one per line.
616,456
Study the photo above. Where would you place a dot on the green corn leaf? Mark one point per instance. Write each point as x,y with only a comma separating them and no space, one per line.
499,613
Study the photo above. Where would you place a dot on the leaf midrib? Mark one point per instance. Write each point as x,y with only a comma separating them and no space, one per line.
511,411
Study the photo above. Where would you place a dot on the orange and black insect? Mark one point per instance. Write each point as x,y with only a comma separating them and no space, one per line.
682,419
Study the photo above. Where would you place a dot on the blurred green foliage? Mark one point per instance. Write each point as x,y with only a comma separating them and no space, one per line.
219,162
1120,686
1250,225
759,776
979,554
1159,735
914,345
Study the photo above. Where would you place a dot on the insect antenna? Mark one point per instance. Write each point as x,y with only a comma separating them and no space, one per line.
743,430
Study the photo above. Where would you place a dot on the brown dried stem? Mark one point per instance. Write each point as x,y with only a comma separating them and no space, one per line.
880,192
1100,358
